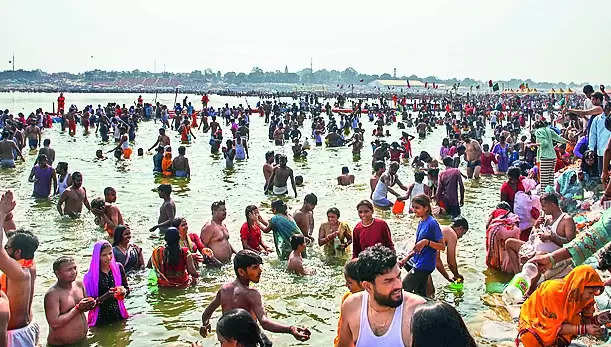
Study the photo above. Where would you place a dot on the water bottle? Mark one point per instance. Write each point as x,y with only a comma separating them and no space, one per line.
520,284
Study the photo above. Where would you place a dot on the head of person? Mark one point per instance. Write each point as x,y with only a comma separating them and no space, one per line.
549,203
379,167
46,142
394,167
421,204
380,275
182,150
122,235
513,175
247,265
252,213
42,160
460,226
164,190
140,152
345,170
237,328
597,98
160,149
448,162
21,244
365,211
65,269
445,142
589,160
282,160
181,224
588,90
110,194
310,201
219,212
278,206
437,324
269,157
172,249
333,215
106,255
297,241
62,167
298,180
425,157
99,154
351,274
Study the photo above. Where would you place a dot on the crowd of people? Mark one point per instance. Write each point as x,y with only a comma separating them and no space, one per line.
553,212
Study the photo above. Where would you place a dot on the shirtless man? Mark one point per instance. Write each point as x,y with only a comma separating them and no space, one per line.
473,155
16,262
215,235
279,177
180,164
7,147
238,294
48,151
74,197
383,294
346,178
167,211
33,134
109,216
378,169
162,140
383,187
268,168
65,305
304,217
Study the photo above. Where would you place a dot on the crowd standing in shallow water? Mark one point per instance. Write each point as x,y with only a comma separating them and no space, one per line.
517,232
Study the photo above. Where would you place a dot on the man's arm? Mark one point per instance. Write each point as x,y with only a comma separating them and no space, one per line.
441,268
60,202
55,318
54,179
451,257
346,338
31,177
462,191
293,183
8,265
85,200
208,313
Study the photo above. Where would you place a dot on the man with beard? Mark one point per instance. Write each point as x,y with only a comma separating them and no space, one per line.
74,197
381,303
17,280
238,294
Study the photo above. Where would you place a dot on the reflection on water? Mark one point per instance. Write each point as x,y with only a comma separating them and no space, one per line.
173,317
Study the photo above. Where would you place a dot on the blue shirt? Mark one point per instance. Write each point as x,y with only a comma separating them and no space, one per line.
598,135
428,229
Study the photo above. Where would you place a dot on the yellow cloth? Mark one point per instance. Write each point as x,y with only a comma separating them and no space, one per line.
339,321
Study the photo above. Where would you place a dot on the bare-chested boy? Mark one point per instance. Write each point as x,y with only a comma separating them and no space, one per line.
215,235
281,174
180,164
304,217
65,305
17,264
74,198
167,211
268,168
237,294
7,147
295,262
162,140
33,134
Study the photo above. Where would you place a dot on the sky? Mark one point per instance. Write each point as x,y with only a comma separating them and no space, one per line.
553,41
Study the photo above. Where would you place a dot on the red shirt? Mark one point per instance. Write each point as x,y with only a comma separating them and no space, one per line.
510,193
364,237
251,235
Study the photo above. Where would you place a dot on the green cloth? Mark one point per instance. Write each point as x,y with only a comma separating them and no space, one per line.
545,138
589,241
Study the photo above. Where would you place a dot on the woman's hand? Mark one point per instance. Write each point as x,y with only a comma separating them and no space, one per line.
420,245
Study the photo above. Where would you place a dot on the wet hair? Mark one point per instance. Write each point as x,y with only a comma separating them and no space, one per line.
550,197
165,188
25,241
438,324
504,205
42,157
298,180
279,206
378,164
62,165
108,190
345,170
57,264
311,199
424,201
597,95
117,237
239,325
460,222
76,174
182,150
296,240
514,172
172,251
425,156
374,261
215,205
366,203
97,203
177,221
419,176
245,258
333,210
351,269
268,155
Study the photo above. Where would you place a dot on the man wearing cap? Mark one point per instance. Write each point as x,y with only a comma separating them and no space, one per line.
167,211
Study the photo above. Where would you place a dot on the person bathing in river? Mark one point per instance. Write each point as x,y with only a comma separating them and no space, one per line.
180,164
280,174
384,185
74,197
194,244
238,294
167,211
173,265
215,235
295,262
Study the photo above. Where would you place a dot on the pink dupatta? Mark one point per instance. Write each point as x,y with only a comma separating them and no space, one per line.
91,281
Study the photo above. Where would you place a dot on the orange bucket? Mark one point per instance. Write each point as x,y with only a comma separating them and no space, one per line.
398,207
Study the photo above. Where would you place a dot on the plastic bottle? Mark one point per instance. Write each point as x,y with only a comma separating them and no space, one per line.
520,284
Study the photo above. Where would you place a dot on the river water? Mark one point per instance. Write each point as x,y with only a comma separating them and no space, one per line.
173,316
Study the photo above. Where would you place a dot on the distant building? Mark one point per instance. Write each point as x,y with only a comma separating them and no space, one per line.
413,84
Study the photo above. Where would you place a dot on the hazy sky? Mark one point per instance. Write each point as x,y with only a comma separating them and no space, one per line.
543,40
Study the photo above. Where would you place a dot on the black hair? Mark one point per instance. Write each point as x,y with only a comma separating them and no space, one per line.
46,142
486,147
424,201
514,172
182,150
588,89
117,237
345,170
172,251
311,199
378,164
217,204
279,206
449,162
504,205
25,241
351,269
61,261
245,258
374,261
269,154
438,324
239,325
107,190
460,222
550,197
165,188
333,210
366,203
419,176
296,240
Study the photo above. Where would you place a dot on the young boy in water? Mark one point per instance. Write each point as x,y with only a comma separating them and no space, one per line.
295,263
